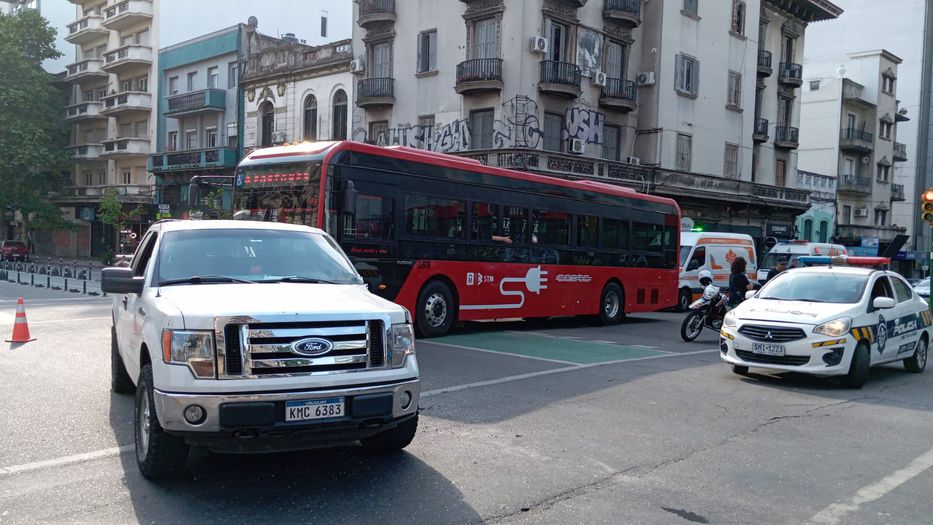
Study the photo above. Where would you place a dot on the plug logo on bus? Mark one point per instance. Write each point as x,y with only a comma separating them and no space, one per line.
535,280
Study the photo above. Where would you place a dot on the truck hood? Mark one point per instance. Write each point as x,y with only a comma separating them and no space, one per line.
795,312
200,304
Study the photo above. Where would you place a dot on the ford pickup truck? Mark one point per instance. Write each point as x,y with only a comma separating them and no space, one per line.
251,337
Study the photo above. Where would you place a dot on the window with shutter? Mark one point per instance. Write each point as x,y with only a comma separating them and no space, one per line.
615,60
481,123
381,61
484,38
734,95
684,146
611,139
427,51
687,75
553,131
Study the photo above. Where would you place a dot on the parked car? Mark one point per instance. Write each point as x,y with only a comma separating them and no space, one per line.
922,288
14,251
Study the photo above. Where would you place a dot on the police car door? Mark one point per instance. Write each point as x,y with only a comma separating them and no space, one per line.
907,323
879,321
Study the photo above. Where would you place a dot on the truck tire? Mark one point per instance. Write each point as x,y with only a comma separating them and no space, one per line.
120,382
858,368
611,305
392,440
158,455
435,311
917,362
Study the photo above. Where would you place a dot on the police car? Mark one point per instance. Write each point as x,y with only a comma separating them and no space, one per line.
834,320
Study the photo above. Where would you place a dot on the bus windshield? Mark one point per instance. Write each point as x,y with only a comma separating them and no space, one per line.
279,193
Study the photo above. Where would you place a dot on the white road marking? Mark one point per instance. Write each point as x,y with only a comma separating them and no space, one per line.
498,352
59,299
577,339
66,460
70,320
529,375
837,511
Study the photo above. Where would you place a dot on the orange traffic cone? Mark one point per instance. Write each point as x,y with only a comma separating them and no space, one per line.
21,327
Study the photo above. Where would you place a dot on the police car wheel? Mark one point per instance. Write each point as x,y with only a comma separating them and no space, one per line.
739,369
917,362
858,368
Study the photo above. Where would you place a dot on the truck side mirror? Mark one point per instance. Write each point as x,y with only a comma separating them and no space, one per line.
121,280
349,199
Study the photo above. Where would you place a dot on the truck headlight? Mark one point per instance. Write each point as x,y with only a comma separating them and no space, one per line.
834,328
401,344
194,349
729,319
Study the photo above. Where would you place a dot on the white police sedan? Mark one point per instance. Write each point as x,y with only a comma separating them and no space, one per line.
830,321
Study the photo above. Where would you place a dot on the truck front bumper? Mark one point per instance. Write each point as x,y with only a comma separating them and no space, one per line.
232,420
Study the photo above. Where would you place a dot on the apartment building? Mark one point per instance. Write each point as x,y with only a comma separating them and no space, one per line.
818,223
110,112
295,92
199,115
849,117
607,89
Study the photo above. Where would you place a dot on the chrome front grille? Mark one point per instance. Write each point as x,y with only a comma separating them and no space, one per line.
772,334
269,349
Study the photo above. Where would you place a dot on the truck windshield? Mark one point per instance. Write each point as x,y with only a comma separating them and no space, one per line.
815,287
256,255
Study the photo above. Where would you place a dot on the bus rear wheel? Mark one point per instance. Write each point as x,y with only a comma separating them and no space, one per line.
611,305
436,310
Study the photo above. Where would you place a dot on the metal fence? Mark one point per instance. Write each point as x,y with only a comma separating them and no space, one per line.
67,276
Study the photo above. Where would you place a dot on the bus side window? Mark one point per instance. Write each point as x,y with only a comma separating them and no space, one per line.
485,221
373,218
587,231
515,224
615,234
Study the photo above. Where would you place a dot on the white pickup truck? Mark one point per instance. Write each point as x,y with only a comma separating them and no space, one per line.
255,337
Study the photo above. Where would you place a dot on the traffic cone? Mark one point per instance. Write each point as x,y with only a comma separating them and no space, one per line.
21,327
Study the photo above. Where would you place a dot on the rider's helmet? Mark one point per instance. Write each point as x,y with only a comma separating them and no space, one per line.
706,277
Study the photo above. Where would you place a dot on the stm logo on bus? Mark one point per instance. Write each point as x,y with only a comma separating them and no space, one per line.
476,279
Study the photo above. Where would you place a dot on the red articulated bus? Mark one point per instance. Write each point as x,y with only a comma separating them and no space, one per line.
453,240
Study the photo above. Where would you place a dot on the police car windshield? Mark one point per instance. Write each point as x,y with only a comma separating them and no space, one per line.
815,287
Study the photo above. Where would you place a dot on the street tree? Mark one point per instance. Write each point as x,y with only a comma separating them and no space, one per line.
33,132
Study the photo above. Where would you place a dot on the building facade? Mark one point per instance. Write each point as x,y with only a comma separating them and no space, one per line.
819,222
850,118
295,92
113,131
608,89
199,116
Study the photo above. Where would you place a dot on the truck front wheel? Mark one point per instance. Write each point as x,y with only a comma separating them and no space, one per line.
392,440
158,454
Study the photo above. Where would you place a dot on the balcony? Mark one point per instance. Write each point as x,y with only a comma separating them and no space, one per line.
374,12
197,102
87,151
786,137
854,92
211,158
84,111
126,103
128,147
851,139
790,73
855,184
86,30
86,71
129,193
760,133
764,63
560,78
900,152
128,59
626,12
618,94
375,92
897,193
481,75
127,13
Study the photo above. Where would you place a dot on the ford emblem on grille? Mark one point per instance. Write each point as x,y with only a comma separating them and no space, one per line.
312,346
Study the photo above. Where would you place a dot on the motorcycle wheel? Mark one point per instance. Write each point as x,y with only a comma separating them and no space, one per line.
692,326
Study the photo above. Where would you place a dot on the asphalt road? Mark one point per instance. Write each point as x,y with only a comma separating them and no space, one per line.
563,422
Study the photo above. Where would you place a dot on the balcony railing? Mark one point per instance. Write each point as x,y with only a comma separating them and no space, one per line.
372,11
128,12
856,183
625,11
619,93
764,62
897,192
481,74
900,152
127,146
193,159
127,101
761,129
563,73
84,110
375,92
86,29
786,137
790,73
87,68
856,139
126,57
197,101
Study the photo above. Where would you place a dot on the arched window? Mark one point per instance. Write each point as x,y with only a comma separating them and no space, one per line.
310,127
340,115
266,124
808,230
824,231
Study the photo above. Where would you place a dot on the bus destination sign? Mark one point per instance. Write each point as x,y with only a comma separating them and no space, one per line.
272,179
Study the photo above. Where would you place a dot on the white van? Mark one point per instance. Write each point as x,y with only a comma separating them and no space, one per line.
715,252
791,250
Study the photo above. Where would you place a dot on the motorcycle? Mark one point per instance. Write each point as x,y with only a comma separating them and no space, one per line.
707,311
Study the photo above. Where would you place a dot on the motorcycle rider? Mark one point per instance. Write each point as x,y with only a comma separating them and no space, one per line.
706,278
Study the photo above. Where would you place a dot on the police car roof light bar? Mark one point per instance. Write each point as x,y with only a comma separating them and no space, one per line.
843,260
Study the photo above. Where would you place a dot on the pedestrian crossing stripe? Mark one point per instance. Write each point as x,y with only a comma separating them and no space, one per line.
864,333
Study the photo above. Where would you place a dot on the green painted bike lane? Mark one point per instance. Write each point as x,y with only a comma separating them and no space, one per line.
547,347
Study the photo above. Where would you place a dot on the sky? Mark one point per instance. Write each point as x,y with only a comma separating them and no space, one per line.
186,19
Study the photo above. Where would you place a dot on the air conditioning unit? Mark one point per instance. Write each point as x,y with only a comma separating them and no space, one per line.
538,44
278,137
577,146
645,78
861,212
599,78
357,66
633,160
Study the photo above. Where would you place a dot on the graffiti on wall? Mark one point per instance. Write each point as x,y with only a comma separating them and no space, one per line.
584,124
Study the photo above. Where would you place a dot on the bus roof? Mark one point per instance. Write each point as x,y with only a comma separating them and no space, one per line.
310,151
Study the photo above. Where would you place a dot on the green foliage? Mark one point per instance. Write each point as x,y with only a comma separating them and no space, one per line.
33,133
215,200
110,210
